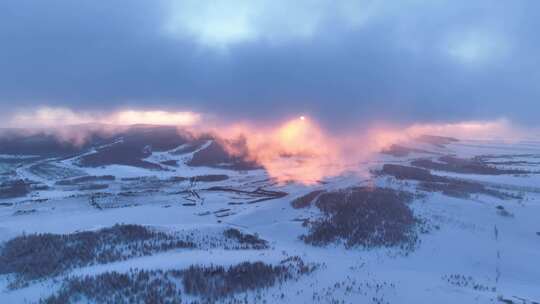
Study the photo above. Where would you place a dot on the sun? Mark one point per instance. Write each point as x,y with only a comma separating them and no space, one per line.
302,118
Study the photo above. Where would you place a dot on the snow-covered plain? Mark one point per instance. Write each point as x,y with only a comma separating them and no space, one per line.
500,255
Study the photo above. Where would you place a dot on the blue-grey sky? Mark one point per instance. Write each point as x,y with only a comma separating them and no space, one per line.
340,61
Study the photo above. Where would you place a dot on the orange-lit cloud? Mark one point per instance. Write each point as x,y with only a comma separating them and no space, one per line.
300,150
297,149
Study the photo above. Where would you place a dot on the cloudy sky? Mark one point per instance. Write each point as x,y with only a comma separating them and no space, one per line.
339,61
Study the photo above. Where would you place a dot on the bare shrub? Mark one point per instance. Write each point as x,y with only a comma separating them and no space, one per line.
137,286
253,241
218,281
370,217
214,282
38,256
206,283
463,281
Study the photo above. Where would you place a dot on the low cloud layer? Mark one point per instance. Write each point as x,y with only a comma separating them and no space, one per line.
296,148
62,117
356,61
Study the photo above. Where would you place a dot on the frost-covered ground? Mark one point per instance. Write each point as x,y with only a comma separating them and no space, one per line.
477,248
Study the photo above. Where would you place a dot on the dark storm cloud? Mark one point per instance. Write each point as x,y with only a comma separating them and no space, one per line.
417,61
